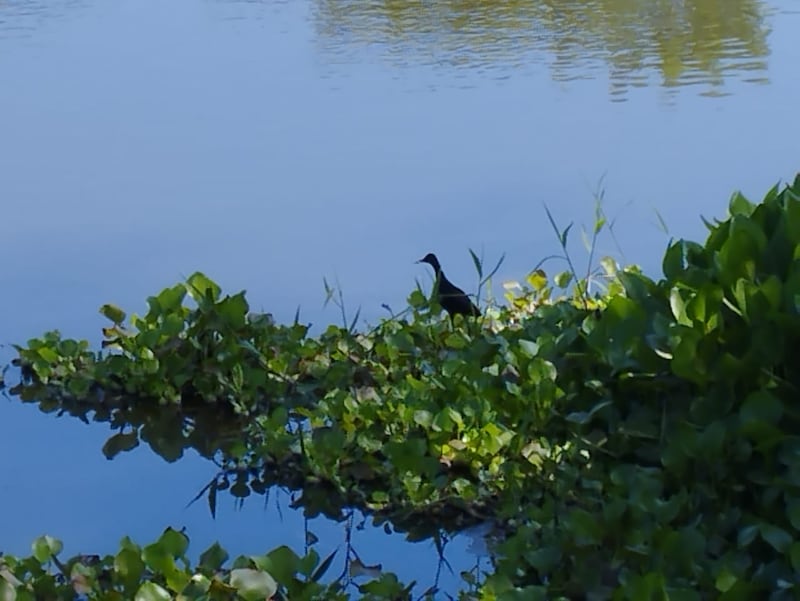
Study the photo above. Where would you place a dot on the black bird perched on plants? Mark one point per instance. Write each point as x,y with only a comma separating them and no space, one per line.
450,297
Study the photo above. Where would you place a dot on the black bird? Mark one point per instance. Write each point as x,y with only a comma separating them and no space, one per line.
451,297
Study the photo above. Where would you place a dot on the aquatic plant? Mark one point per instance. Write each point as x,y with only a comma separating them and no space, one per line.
632,443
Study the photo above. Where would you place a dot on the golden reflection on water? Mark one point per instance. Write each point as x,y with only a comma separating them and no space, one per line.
637,42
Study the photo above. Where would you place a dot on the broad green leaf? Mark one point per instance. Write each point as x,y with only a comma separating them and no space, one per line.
563,279
234,310
171,299
456,341
739,205
150,591
201,288
174,542
537,279
529,348
777,537
725,580
46,547
129,565
157,558
423,417
49,355
113,313
212,558
761,406
282,562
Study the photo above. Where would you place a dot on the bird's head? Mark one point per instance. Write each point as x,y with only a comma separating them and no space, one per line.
431,260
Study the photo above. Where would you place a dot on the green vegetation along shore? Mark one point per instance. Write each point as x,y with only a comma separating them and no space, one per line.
637,443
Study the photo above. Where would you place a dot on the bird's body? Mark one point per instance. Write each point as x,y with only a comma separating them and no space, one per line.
450,297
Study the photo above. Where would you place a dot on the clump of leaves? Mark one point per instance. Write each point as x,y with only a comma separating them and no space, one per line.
636,443
162,570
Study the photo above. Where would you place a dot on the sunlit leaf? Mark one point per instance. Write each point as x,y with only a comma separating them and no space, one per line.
45,547
113,313
563,279
200,287
150,591
253,585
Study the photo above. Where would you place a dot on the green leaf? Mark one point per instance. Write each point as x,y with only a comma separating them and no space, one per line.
212,558
174,542
477,262
417,299
778,538
282,562
150,591
609,266
455,340
48,354
598,224
678,307
529,348
794,556
46,547
253,585
725,580
130,567
113,313
739,205
201,288
563,279
537,279
423,417
747,535
157,558
761,406
673,263
234,310
544,558
586,528
170,300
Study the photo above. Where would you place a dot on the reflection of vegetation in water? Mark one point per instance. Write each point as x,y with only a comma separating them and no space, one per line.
687,41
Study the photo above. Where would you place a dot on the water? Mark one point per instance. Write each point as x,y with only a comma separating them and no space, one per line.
271,144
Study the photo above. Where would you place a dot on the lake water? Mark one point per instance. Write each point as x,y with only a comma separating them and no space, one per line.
271,144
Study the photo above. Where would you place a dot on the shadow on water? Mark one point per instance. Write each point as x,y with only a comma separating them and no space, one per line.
676,43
